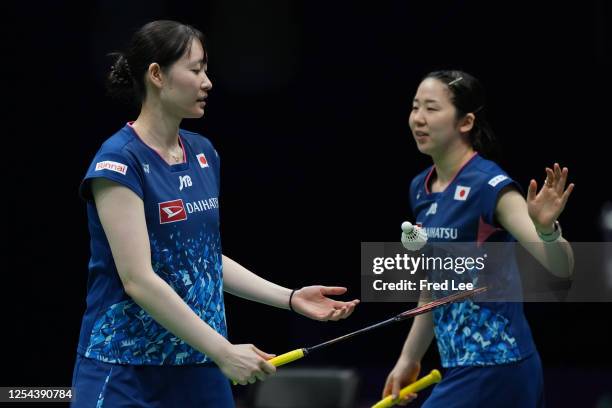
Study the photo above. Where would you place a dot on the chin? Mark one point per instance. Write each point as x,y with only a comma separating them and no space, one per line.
424,148
197,114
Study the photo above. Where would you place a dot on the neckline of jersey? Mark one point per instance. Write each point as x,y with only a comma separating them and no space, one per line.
428,191
173,167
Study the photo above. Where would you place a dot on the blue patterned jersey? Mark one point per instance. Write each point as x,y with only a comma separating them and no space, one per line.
181,204
471,333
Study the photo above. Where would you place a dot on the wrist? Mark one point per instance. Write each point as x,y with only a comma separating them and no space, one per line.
550,235
290,301
408,359
219,350
546,229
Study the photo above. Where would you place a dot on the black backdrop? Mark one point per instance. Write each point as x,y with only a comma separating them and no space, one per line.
309,114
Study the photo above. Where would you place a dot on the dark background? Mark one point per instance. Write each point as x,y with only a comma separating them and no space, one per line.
309,113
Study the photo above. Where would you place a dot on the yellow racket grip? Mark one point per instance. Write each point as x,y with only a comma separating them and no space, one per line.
284,359
422,383
287,357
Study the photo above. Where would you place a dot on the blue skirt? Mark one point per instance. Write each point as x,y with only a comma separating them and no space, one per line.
514,385
99,385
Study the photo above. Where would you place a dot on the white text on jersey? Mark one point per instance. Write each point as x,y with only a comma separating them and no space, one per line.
185,181
202,205
441,232
112,166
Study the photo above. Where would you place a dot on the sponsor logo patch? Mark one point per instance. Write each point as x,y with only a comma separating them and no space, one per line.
172,211
497,179
112,166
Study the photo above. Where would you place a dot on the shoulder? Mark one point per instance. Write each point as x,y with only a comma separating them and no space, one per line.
487,171
116,160
486,166
198,142
490,181
122,143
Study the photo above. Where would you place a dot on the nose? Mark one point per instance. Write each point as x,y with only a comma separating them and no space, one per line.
206,84
416,117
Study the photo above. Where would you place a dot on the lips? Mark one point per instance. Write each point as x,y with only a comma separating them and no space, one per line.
419,133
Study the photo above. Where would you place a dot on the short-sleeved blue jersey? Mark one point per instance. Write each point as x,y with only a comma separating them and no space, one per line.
181,205
473,333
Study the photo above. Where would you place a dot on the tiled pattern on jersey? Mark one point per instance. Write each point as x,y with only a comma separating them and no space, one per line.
471,334
127,334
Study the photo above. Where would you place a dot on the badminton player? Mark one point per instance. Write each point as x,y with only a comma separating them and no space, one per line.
487,348
154,331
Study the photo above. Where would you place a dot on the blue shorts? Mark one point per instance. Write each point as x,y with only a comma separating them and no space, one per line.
514,385
99,385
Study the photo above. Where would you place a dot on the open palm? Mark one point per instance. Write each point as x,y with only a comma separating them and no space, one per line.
312,302
545,206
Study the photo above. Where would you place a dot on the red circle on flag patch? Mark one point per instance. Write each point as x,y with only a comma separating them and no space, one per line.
461,193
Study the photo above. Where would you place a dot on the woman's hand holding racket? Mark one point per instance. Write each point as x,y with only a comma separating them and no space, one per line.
245,363
403,374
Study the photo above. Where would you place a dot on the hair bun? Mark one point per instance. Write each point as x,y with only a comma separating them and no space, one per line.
120,74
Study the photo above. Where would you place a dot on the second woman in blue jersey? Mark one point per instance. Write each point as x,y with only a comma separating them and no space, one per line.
487,348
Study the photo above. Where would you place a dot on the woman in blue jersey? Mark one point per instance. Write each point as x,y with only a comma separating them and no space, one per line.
154,331
486,348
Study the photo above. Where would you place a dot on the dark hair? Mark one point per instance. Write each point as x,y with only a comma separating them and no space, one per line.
468,96
163,42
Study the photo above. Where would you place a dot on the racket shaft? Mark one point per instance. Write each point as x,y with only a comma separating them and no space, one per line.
405,315
349,335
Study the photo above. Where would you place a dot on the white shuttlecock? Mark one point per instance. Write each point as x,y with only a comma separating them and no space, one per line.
413,236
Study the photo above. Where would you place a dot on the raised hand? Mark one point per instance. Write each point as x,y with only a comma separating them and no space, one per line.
545,206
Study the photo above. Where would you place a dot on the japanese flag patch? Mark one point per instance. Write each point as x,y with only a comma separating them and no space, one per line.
461,193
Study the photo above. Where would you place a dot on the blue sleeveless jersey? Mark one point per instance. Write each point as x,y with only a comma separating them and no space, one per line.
471,333
181,204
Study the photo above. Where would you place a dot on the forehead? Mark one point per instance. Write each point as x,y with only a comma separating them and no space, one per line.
194,53
432,89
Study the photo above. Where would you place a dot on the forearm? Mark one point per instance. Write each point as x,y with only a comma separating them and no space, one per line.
239,281
159,300
122,215
512,213
557,257
419,338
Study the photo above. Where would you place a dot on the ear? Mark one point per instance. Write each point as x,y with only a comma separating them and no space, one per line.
155,75
467,123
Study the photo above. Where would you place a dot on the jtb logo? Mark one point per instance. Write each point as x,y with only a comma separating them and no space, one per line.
185,181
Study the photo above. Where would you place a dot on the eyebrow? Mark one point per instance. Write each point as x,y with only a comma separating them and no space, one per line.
201,61
426,100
